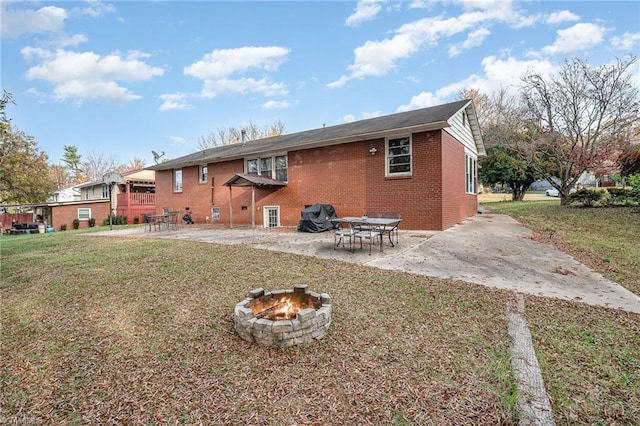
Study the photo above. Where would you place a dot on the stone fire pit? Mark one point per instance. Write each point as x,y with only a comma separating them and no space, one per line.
283,317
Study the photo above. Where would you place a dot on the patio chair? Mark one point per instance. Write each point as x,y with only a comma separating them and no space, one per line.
372,236
343,234
147,222
160,222
173,221
392,230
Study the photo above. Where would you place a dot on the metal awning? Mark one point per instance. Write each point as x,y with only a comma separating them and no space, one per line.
253,181
242,179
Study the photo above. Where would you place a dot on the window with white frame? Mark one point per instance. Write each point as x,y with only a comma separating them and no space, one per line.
204,174
471,173
177,180
398,156
105,191
84,213
264,166
282,173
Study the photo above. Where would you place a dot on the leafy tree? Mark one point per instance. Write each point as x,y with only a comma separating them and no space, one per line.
506,165
629,160
23,167
506,134
59,177
580,116
481,102
97,165
135,164
231,135
72,159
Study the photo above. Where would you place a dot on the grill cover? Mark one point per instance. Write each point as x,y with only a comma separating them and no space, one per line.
316,218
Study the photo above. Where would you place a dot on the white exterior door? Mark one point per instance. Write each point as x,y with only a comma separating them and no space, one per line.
271,216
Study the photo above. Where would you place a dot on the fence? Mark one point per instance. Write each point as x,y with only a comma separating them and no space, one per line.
9,218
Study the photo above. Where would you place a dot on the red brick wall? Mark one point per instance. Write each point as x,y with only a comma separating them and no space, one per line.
66,213
457,205
346,176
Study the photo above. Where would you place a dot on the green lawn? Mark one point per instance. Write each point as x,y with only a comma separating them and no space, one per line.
585,358
605,238
125,330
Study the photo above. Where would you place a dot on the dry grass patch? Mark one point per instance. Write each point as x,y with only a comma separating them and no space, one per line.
140,331
590,356
589,360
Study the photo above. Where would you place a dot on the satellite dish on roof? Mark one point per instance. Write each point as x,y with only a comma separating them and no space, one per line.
112,178
157,156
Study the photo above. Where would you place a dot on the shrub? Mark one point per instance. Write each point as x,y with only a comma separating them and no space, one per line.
92,222
63,227
634,194
136,220
618,195
587,197
76,223
115,220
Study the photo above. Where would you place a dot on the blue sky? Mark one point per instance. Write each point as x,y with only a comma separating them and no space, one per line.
120,79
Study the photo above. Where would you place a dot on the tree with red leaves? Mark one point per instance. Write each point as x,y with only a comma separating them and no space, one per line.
582,118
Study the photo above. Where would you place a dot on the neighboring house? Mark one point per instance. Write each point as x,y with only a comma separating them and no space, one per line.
71,193
133,198
421,164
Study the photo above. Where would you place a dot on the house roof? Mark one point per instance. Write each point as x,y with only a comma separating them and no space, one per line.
132,176
424,119
241,179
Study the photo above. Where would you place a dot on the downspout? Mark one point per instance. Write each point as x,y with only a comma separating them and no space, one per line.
253,206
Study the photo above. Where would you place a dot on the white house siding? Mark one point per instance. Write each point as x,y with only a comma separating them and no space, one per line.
462,133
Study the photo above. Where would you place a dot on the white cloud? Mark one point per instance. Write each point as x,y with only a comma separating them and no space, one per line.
175,101
276,104
498,73
560,17
177,140
25,21
577,37
64,40
420,4
366,10
224,62
508,73
80,75
350,118
377,58
265,87
372,114
627,42
474,39
94,9
421,100
217,68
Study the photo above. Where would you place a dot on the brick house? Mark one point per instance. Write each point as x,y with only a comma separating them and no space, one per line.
421,164
133,198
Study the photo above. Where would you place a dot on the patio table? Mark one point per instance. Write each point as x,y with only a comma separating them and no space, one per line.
384,225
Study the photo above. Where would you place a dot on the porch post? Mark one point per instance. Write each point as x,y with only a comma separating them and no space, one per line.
230,209
128,189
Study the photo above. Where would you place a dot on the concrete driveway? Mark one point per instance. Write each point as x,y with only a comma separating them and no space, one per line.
488,249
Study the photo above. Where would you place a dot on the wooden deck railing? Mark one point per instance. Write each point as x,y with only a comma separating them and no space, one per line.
137,199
